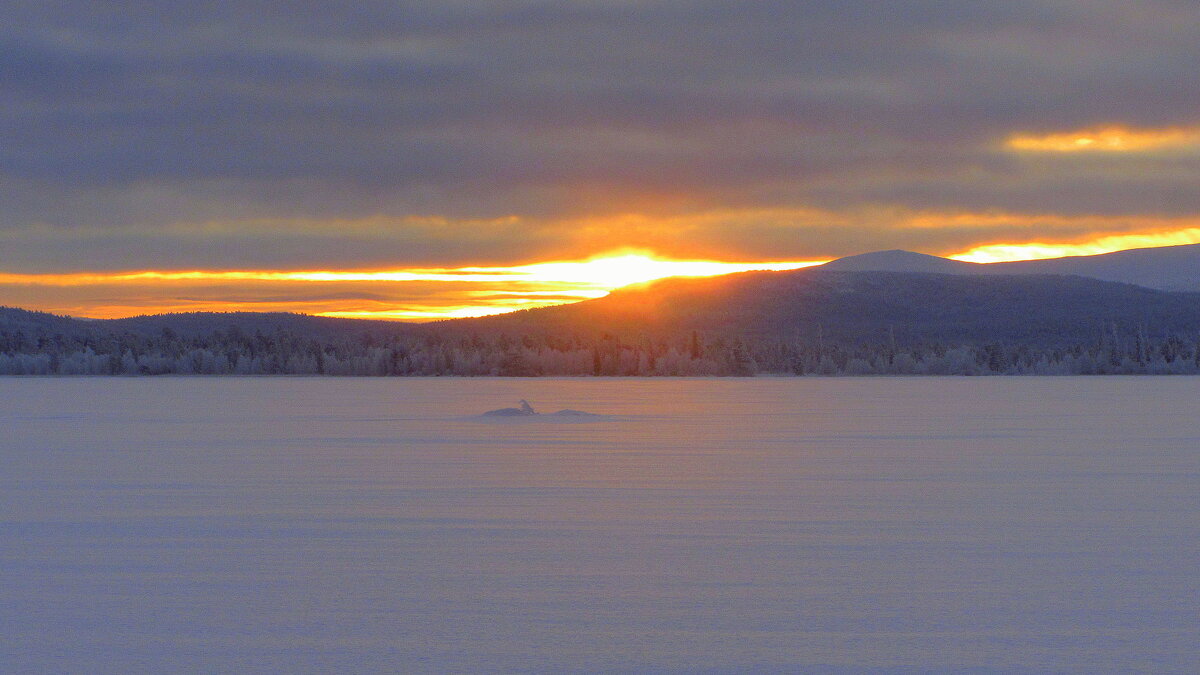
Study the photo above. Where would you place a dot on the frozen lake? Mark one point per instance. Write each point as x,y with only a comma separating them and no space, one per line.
376,525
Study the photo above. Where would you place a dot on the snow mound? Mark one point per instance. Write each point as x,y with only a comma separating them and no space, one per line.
526,411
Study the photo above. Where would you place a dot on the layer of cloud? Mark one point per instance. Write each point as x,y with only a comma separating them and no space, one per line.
184,135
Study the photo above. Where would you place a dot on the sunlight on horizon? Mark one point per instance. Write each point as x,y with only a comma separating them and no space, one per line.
498,289
589,279
993,253
607,272
511,288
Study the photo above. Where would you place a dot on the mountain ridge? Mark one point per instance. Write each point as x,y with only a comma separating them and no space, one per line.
842,305
899,260
864,306
801,321
1168,268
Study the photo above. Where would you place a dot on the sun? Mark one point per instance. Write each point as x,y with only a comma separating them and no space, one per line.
614,270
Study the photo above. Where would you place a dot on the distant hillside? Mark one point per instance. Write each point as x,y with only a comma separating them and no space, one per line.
203,323
15,320
809,304
901,261
1170,268
194,324
911,308
1167,268
814,320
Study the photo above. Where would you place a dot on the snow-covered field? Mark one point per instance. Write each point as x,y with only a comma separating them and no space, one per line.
378,525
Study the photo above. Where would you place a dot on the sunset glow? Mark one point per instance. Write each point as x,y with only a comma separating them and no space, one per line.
602,272
496,289
437,160
433,293
1106,139
992,253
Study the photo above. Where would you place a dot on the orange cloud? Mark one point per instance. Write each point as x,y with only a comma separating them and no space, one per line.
1104,244
422,294
499,289
604,272
1110,139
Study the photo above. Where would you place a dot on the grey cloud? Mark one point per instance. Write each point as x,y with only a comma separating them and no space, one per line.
478,109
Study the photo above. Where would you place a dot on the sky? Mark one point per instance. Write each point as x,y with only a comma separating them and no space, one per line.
413,160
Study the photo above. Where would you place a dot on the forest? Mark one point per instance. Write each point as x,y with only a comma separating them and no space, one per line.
286,352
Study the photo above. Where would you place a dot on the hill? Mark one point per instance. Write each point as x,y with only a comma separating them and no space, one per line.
1170,268
901,261
13,319
1167,268
803,321
33,324
857,307
203,323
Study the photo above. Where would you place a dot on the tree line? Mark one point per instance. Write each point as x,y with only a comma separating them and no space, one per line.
284,352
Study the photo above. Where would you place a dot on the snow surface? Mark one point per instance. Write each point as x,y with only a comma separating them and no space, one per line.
373,525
